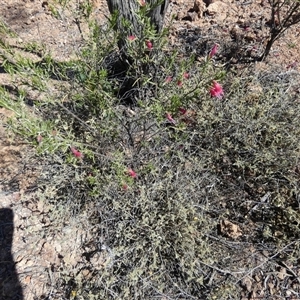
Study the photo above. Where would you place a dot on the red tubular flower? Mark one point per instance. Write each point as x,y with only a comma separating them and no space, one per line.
186,75
149,45
131,173
216,90
168,79
76,153
213,51
182,110
131,38
179,83
142,2
170,119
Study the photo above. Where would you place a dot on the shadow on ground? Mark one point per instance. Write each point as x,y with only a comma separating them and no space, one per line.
10,288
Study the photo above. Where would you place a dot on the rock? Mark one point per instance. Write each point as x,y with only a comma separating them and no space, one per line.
191,16
230,230
180,15
218,10
199,7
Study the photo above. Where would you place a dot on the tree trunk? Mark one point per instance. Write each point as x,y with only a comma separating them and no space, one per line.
126,10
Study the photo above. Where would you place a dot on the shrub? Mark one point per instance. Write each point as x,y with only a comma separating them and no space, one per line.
157,154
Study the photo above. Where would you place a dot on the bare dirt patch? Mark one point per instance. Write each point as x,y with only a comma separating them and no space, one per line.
239,26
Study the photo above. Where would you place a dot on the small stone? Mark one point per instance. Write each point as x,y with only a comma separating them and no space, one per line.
199,7
85,272
218,10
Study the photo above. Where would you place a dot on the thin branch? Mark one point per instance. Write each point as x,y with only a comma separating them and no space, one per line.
267,260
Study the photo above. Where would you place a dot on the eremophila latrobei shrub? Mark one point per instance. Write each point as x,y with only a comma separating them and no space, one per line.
157,152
